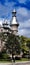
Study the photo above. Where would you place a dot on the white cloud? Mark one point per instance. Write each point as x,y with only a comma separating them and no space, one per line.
23,28
24,21
22,1
23,16
24,32
25,24
1,21
5,10
23,11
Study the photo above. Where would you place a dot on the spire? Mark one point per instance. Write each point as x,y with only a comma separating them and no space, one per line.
14,20
14,13
14,10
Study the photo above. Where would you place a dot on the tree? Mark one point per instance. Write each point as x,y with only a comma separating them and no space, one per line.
28,45
12,45
3,38
24,47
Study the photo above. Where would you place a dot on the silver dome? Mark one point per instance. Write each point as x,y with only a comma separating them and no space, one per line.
14,20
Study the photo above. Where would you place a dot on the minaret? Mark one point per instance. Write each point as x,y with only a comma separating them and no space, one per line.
5,24
14,24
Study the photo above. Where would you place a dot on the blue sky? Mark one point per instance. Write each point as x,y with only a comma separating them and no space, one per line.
23,14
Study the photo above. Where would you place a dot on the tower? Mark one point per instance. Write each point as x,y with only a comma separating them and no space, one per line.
5,24
14,24
6,32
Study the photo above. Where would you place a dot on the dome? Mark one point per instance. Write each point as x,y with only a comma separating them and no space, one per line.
6,24
14,20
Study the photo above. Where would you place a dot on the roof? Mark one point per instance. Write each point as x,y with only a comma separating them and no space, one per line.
5,22
14,20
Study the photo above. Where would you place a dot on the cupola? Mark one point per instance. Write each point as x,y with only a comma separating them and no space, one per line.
14,23
5,24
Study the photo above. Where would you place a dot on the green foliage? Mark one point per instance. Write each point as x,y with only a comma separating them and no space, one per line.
28,44
25,44
12,44
5,56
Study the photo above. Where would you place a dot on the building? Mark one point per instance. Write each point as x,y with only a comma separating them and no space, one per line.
6,28
14,23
